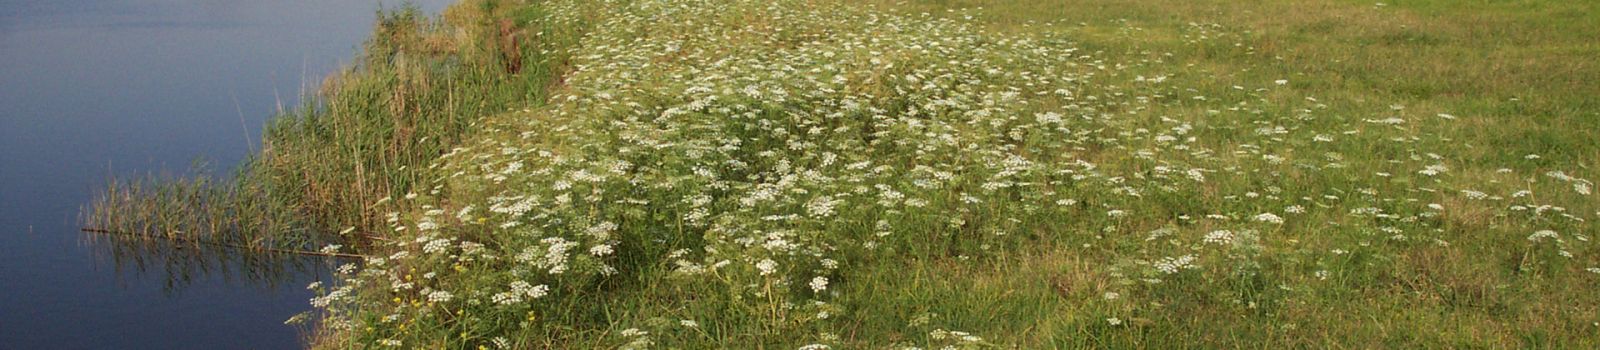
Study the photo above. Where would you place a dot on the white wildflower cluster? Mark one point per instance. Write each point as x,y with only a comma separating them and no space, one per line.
1544,235
1220,237
331,297
1580,186
440,296
519,291
954,339
636,339
1269,218
819,284
1171,265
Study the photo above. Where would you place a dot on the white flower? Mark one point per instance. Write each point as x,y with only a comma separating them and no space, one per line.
506,298
600,250
427,225
1221,237
1433,170
602,230
821,207
634,332
819,284
440,296
1114,321
1048,118
1171,265
1269,218
435,246
331,249
767,266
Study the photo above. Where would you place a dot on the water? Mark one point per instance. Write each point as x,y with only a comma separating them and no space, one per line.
95,88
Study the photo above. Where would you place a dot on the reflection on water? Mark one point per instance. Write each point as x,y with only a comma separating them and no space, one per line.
91,89
179,264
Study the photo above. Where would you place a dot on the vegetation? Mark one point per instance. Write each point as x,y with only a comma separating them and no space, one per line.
959,174
368,133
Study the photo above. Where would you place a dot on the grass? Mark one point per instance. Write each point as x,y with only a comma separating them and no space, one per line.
1516,75
421,85
366,135
965,174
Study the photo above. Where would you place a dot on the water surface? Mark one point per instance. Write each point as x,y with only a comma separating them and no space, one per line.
97,88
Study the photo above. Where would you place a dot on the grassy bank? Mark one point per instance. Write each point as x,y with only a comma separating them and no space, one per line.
964,174
1034,175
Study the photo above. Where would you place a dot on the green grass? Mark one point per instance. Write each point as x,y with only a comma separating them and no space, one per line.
973,174
421,85
1518,76
368,133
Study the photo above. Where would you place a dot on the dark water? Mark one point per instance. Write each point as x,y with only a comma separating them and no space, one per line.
95,88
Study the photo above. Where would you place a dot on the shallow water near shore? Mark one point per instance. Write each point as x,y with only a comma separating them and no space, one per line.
93,89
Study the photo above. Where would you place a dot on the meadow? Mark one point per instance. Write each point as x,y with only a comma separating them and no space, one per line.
948,174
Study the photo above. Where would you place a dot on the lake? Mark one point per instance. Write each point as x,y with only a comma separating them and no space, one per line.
96,88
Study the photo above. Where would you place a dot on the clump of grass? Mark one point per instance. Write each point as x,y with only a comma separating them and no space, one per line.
198,207
188,227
